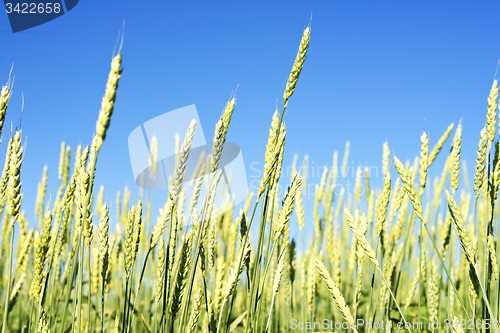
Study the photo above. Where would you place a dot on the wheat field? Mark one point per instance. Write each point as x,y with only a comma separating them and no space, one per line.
415,255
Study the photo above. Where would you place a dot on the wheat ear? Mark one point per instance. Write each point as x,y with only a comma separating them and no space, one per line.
153,157
383,203
270,153
104,240
195,312
220,134
287,208
385,158
480,161
14,185
43,325
336,294
40,195
5,95
108,101
433,292
160,225
42,242
437,148
361,238
455,158
491,114
409,188
160,276
493,257
180,169
297,65
424,161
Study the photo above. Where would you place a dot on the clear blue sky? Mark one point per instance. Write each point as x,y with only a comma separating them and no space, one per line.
376,71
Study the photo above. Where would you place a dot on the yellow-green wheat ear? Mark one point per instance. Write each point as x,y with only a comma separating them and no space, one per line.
297,65
160,276
361,237
137,231
424,161
14,185
42,242
195,312
4,102
62,161
455,159
495,174
108,101
460,228
491,114
82,189
270,150
468,245
221,128
104,239
278,274
43,325
433,298
40,195
153,157
23,258
160,225
243,224
480,161
235,272
288,203
5,173
129,239
277,169
180,169
493,257
385,157
335,292
437,148
383,203
38,258
409,188
300,210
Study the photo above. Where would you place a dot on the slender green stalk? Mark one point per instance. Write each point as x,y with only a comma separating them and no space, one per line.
9,282
89,301
125,303
372,284
270,313
102,302
446,270
140,281
80,282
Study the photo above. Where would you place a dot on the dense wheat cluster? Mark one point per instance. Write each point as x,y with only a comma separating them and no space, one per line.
419,254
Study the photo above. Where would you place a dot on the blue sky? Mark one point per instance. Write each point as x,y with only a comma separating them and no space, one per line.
376,71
